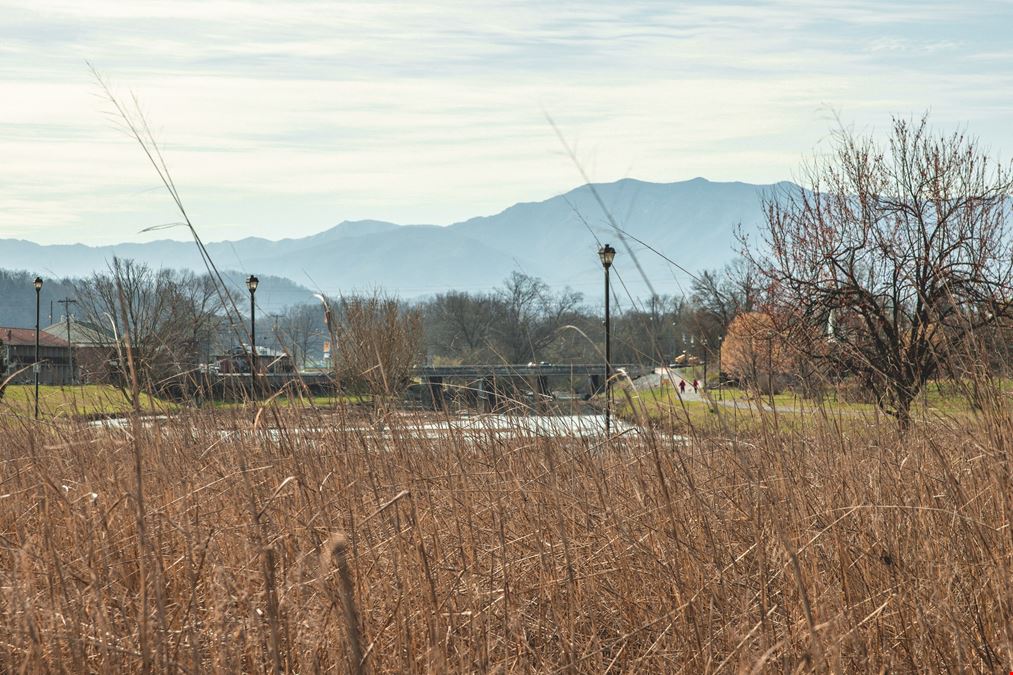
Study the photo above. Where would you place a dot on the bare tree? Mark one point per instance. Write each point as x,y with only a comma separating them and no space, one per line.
890,257
720,296
165,315
531,316
299,331
652,332
462,324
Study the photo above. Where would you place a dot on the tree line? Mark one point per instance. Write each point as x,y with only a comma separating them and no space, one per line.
175,321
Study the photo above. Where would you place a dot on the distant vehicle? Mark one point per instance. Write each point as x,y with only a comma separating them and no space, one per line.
683,360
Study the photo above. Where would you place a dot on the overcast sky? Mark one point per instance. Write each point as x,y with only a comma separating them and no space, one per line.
283,118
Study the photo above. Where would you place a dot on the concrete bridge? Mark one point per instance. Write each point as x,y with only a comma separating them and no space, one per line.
528,370
486,383
492,384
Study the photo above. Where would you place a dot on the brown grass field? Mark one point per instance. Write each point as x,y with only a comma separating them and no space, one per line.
335,543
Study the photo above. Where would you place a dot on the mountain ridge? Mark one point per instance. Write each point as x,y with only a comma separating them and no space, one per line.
691,221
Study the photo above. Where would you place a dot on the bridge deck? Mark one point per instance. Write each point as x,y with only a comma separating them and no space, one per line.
529,370
501,370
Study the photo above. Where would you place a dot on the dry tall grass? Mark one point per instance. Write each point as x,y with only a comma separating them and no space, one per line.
331,543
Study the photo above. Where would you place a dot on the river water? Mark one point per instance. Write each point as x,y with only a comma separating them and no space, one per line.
505,426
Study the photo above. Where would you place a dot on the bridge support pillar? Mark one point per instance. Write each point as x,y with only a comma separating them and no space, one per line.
488,394
541,390
435,392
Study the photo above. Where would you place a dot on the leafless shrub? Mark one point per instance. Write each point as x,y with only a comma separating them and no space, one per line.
376,341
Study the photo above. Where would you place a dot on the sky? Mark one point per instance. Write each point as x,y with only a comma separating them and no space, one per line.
281,118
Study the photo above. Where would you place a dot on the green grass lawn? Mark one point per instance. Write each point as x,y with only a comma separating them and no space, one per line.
734,408
101,399
75,401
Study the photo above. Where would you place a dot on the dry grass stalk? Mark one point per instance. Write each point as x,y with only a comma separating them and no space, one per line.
817,546
336,552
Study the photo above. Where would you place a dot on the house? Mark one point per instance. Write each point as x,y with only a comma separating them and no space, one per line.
269,361
93,348
17,347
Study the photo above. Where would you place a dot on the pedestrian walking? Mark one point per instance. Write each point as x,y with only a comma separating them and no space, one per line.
682,386
696,386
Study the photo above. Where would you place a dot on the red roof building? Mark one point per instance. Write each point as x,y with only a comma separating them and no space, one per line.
26,336
17,354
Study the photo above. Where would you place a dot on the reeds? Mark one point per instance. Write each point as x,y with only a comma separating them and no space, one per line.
819,548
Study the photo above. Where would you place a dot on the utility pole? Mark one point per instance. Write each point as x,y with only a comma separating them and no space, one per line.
67,302
274,331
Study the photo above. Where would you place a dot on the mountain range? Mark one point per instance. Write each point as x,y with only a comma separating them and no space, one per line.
693,223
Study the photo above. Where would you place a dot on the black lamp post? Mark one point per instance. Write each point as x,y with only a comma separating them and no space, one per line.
607,255
770,367
706,349
721,392
251,283
37,366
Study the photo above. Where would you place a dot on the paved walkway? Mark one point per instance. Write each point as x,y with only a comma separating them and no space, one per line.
671,378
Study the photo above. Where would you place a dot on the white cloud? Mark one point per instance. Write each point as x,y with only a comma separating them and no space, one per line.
430,112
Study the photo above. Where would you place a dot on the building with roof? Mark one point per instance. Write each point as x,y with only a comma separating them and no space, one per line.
93,348
17,346
269,361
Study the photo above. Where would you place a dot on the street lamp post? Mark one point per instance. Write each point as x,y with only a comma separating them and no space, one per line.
721,392
706,349
36,366
251,283
770,367
607,255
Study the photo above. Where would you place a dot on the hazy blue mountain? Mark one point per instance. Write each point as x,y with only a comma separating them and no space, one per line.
412,261
78,260
17,299
274,293
17,296
692,222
